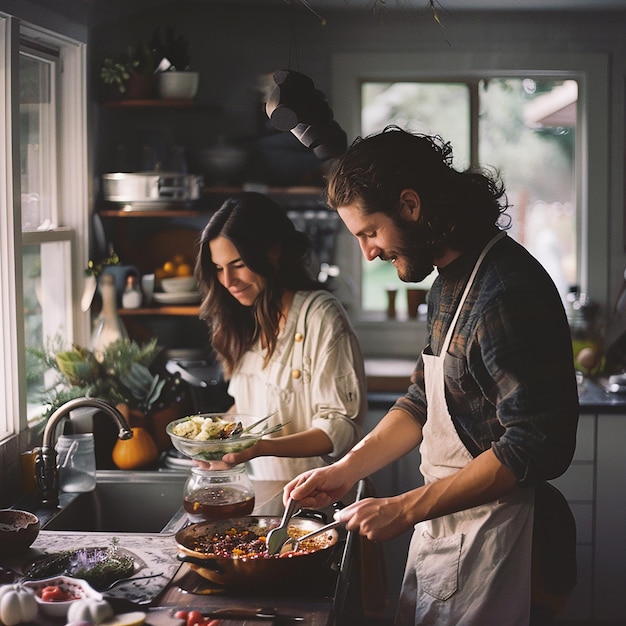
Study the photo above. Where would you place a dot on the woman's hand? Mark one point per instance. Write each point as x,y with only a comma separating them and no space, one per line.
212,465
234,458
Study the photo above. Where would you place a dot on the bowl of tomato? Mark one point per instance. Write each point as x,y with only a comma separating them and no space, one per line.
55,595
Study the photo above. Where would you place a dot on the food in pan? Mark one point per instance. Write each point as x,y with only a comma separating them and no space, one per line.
239,544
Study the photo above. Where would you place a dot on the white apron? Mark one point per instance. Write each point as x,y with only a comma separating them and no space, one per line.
471,567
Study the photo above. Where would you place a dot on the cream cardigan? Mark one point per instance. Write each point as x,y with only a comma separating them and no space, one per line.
315,378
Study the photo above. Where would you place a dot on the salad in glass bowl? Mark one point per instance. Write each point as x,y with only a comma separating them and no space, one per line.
209,436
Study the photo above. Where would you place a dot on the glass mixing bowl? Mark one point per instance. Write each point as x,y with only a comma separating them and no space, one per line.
205,437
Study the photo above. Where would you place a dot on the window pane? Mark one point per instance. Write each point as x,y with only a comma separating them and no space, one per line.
527,130
429,108
36,142
46,253
47,318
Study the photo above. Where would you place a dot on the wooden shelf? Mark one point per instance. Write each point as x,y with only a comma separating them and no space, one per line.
160,104
275,191
284,193
172,309
165,213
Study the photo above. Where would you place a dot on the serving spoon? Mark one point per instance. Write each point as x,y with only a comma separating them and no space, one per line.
278,536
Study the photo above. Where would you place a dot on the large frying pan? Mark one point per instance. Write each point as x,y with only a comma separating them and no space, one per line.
267,573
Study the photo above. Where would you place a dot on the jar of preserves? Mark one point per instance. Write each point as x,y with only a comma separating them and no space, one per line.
218,494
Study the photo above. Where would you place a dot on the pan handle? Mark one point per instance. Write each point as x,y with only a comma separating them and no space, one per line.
314,514
205,563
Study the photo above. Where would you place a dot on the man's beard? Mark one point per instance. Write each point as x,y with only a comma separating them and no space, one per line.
418,252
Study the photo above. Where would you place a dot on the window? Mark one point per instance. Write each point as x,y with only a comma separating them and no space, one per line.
472,101
524,128
43,209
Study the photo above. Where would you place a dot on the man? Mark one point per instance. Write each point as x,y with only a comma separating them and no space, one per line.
493,402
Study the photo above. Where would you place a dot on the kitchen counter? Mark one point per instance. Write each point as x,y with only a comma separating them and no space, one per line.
178,586
317,603
387,379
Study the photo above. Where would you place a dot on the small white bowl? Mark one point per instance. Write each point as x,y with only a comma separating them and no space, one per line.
178,85
76,586
179,284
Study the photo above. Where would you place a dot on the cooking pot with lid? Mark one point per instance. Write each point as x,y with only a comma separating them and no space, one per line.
155,187
294,572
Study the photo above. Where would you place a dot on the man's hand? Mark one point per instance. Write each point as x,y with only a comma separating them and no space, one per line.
320,487
378,519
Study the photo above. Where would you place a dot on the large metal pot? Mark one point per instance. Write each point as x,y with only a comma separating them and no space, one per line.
154,187
268,573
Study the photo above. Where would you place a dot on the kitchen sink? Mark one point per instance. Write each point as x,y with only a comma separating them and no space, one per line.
124,502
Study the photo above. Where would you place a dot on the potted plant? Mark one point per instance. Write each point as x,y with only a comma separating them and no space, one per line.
131,74
175,80
121,376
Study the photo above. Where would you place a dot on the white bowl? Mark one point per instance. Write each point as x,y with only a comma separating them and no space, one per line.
178,85
179,284
76,586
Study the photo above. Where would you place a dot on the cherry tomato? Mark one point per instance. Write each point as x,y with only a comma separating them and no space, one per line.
194,617
54,593
180,615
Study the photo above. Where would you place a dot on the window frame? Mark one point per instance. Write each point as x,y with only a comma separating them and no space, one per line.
383,337
72,200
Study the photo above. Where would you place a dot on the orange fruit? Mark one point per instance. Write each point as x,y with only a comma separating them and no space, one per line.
168,267
184,269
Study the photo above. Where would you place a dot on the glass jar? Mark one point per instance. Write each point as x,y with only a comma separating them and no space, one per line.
218,494
77,462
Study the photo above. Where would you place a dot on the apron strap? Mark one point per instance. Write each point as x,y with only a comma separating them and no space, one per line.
483,254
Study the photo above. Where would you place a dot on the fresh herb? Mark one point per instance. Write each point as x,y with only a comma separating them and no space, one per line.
120,375
98,566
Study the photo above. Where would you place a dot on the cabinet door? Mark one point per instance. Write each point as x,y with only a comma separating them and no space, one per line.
578,486
610,554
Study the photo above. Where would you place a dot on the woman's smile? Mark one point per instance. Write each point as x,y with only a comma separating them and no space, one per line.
241,282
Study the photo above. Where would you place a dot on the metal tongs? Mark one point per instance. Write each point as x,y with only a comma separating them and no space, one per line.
278,536
293,545
239,430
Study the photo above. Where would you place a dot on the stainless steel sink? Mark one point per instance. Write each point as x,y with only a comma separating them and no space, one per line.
124,502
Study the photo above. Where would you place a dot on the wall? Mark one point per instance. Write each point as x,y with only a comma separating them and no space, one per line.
232,48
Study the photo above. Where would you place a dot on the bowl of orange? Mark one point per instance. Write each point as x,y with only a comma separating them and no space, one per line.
179,284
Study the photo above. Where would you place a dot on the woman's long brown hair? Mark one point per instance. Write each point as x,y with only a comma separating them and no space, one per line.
260,229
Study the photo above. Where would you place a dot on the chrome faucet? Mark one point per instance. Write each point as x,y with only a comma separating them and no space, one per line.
46,472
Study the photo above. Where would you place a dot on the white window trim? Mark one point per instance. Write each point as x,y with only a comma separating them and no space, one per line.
74,168
591,71
11,333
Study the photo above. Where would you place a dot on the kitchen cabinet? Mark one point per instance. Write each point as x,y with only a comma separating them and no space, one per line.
595,487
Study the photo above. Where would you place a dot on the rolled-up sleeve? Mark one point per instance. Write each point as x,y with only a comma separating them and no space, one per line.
337,385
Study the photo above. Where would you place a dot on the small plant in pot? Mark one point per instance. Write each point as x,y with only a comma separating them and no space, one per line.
131,74
123,377
175,80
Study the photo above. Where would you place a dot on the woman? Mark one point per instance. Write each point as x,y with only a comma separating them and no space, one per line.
285,344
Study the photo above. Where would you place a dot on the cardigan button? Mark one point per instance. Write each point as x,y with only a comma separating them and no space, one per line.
299,337
296,374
